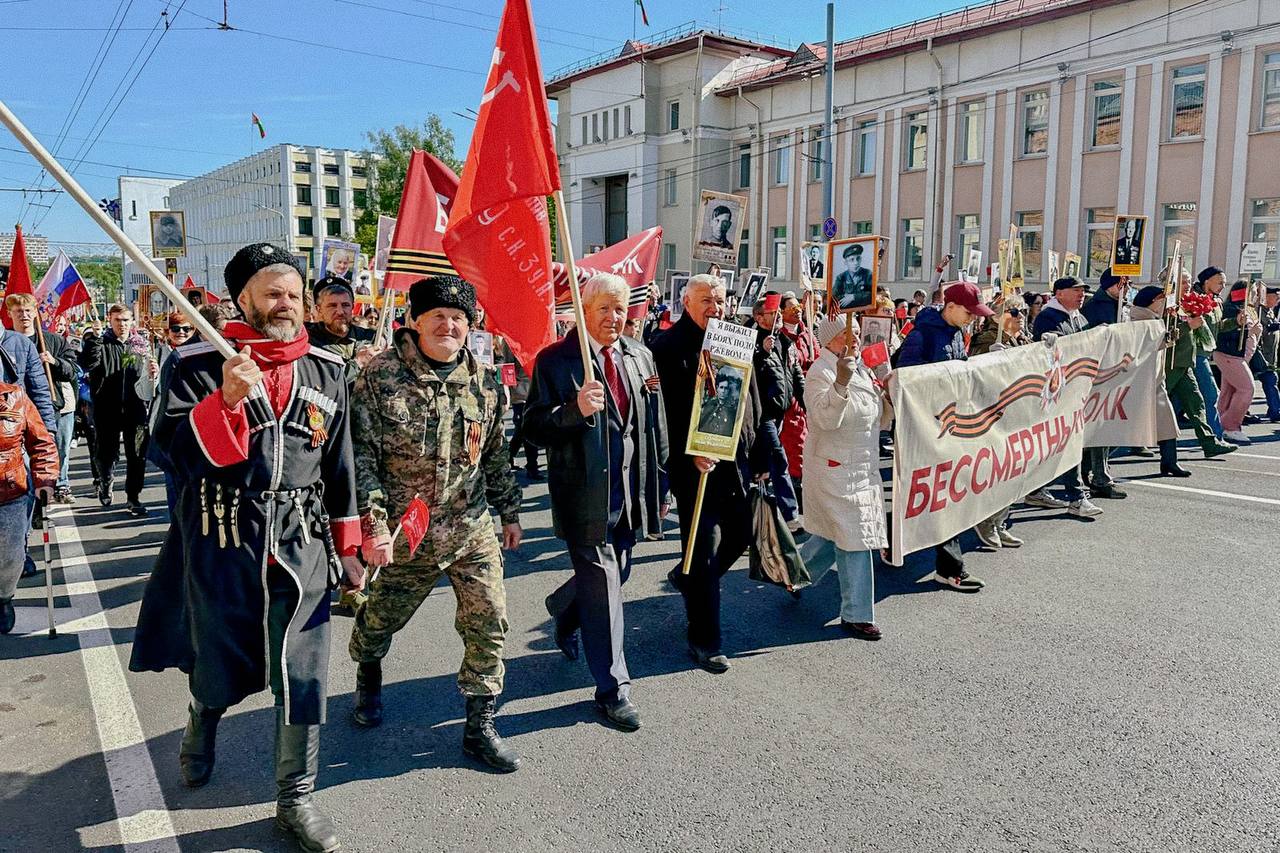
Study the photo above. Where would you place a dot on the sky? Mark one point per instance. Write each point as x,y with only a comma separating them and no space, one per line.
177,102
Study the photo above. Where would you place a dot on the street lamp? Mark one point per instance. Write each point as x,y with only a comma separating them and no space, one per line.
284,219
207,281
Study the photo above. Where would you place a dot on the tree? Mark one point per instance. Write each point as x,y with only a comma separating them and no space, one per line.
388,159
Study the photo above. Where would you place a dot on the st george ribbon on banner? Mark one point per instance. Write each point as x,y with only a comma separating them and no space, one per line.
417,247
635,259
973,437
498,236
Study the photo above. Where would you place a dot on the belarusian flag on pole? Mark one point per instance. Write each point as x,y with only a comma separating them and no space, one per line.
644,16
257,122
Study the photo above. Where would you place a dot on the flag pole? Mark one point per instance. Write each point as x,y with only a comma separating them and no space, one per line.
693,525
158,278
562,232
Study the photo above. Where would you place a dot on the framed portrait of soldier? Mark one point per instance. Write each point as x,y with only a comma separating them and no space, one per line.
677,281
718,228
723,380
754,287
1070,265
853,273
1126,246
813,266
874,330
973,266
340,259
1055,267
382,245
168,234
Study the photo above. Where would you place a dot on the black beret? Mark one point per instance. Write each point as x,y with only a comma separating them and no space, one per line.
249,261
1107,279
442,291
331,281
1208,273
1147,295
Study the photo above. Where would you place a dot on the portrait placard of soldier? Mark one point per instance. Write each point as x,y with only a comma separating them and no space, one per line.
851,263
756,281
1126,247
168,234
719,224
340,259
724,374
813,265
973,266
677,281
874,330
1070,265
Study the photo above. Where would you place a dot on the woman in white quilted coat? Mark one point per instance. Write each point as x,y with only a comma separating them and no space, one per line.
844,504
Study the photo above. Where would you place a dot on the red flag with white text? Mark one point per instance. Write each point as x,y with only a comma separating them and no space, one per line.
498,236
414,522
635,259
417,250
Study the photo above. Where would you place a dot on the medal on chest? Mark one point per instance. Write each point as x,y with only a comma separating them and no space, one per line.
315,420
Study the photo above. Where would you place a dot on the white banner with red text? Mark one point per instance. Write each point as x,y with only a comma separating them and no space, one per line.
973,437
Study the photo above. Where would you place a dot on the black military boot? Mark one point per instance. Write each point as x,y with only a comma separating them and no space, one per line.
368,712
480,739
195,757
297,763
7,615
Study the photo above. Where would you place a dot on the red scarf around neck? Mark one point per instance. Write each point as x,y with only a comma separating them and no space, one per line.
273,357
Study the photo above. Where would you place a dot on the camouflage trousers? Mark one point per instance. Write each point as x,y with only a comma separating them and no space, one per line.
475,572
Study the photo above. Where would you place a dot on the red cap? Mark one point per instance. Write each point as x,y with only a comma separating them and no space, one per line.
967,295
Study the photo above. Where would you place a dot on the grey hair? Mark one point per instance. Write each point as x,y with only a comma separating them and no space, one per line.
705,280
605,283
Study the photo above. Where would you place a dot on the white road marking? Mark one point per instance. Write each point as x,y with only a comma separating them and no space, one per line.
1209,492
1257,456
143,816
1212,467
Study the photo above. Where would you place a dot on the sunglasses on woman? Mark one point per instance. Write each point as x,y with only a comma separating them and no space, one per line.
182,329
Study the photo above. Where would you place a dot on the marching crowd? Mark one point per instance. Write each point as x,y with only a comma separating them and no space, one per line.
289,466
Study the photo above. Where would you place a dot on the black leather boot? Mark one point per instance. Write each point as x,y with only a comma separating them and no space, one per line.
7,615
195,756
480,739
368,711
297,763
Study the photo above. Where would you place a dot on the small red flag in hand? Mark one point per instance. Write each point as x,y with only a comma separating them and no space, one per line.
415,521
772,302
509,374
875,355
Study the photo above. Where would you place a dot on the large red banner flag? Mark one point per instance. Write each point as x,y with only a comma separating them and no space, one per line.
417,248
635,259
19,273
498,236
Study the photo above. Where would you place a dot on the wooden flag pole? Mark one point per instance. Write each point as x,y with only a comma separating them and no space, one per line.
562,232
135,254
384,319
693,525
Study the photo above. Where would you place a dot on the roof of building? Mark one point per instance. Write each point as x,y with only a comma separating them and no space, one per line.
669,42
957,25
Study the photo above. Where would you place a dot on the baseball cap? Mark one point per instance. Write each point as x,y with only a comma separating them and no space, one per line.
966,295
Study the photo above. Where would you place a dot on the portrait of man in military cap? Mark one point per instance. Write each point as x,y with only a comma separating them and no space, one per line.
855,282
168,234
720,413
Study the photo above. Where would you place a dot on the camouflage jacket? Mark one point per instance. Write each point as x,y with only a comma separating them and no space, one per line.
415,433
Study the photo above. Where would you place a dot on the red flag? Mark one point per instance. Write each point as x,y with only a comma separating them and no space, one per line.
188,283
772,302
875,355
414,522
498,237
417,250
19,273
635,259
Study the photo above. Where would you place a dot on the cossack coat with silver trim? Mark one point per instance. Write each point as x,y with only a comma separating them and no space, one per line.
205,606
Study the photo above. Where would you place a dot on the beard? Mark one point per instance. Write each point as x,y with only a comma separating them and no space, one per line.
282,326
340,327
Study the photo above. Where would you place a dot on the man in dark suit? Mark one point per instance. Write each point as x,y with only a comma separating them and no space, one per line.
725,527
606,444
1129,246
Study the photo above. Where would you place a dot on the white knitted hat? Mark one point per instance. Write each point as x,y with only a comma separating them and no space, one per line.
832,326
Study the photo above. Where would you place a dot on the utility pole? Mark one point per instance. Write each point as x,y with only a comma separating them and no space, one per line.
828,128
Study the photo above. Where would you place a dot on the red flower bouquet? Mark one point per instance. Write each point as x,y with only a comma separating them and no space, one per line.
1198,304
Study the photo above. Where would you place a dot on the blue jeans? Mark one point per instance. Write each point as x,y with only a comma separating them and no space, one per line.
66,429
1208,390
1272,393
15,521
857,581
779,472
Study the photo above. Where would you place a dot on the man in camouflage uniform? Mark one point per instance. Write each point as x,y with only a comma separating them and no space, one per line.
427,421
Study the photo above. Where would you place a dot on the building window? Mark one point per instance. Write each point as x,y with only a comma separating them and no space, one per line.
744,254
670,199
1099,225
816,143
781,257
1187,116
304,227
333,227
1035,123
1266,229
912,249
595,127
1178,222
585,138
359,172
668,256
744,166
972,118
1031,233
360,199
1106,113
617,128
781,160
815,233
673,115
604,124
331,168
867,148
301,166
626,118
968,235
331,196
862,227
304,194
1271,91
916,140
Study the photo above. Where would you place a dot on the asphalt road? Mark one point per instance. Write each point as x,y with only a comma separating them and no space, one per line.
1114,688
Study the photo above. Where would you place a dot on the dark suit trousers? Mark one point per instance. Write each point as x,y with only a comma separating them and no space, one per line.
724,532
591,601
111,431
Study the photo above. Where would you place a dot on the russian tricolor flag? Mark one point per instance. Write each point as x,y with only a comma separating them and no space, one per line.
61,289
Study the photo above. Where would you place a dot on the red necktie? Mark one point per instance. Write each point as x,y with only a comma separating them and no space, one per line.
617,387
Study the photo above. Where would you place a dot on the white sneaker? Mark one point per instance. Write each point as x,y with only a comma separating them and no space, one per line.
987,534
1042,498
1085,508
1237,437
75,442
1007,539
